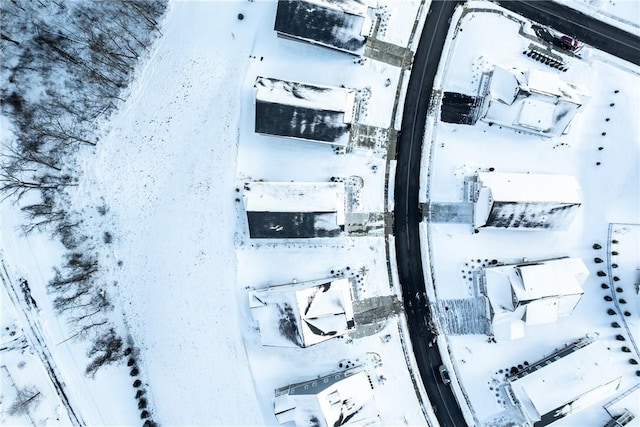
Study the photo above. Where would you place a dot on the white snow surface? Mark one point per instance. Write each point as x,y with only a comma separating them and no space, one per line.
624,14
165,171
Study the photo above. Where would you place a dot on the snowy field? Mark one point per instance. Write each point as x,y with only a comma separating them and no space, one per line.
601,150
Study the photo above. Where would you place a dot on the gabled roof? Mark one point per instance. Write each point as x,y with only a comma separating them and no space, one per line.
274,196
304,111
314,97
524,187
303,314
550,278
285,210
504,85
550,84
341,25
343,398
535,293
554,387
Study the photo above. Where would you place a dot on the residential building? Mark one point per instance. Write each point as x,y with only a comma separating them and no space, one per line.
567,384
342,25
304,111
532,293
303,314
339,399
295,210
532,101
525,201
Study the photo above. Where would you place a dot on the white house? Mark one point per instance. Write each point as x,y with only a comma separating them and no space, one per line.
534,101
339,399
282,210
532,293
303,314
342,25
525,201
567,385
304,111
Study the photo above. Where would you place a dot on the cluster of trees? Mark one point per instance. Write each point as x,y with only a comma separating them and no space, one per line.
64,68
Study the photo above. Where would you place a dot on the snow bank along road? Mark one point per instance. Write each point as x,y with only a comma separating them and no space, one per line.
407,215
37,342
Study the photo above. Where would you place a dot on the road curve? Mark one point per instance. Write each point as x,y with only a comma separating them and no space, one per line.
407,215
596,33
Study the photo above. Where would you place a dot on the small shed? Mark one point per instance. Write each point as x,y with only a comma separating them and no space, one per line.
526,201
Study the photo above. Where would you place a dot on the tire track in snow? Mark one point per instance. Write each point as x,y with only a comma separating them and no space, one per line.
36,340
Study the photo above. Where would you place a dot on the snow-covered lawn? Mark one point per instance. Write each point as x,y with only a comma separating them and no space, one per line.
166,171
601,150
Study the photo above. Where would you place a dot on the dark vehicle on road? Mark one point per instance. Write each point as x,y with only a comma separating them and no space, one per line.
444,375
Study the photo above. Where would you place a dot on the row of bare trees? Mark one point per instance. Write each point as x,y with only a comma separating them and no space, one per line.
64,68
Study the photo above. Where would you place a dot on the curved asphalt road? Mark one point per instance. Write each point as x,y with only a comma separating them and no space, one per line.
407,214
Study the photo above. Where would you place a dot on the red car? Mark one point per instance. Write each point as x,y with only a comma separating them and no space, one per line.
569,43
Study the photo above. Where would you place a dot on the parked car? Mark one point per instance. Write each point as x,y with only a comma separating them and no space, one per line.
444,375
557,38
569,42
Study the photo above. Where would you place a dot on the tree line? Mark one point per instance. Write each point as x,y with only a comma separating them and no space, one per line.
65,66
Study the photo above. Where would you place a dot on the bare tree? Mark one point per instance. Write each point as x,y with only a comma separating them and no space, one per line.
28,398
106,349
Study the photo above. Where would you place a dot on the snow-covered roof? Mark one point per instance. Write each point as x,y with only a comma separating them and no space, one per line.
343,398
550,278
504,85
550,84
303,314
526,201
342,25
535,293
536,101
353,7
295,197
555,386
304,111
524,187
536,114
316,97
